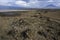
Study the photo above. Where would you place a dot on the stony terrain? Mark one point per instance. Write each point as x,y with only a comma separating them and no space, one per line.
30,25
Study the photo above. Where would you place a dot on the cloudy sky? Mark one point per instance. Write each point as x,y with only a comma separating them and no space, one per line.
29,3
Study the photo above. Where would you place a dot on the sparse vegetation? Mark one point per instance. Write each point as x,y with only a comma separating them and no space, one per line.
30,25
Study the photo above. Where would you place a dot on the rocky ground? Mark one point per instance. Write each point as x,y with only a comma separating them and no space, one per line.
30,25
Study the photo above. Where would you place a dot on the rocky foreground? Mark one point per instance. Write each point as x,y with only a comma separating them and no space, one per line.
31,25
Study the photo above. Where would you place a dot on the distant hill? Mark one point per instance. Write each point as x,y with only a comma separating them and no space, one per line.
50,5
12,8
25,8
16,8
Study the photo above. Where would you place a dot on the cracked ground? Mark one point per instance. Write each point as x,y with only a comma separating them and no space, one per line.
30,25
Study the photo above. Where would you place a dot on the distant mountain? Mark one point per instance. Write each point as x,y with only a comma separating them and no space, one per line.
12,8
25,8
50,5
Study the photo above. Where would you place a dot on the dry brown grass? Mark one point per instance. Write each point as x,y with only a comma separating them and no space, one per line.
30,25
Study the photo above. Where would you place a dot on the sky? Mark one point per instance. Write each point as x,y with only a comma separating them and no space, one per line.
30,3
